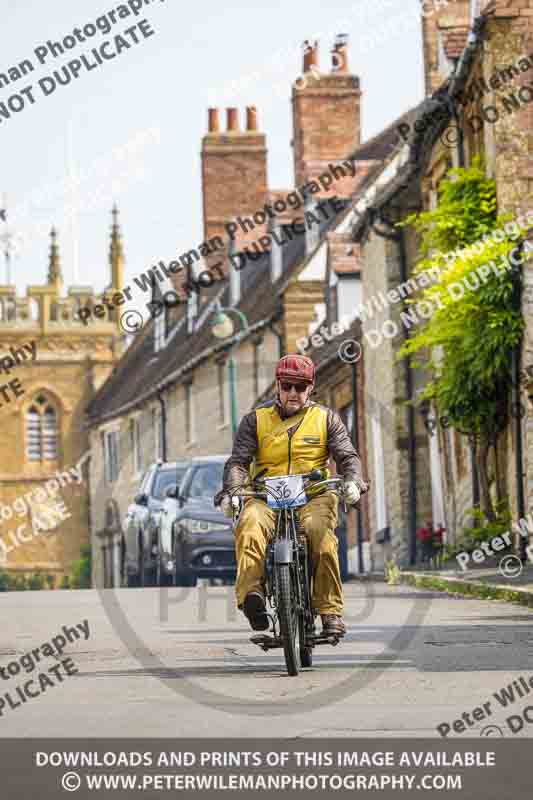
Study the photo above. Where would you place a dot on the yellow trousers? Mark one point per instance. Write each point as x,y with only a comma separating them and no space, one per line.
319,519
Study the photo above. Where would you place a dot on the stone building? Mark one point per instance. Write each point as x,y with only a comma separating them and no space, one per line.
493,69
43,436
428,472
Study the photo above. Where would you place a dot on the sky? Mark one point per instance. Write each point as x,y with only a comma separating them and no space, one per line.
129,131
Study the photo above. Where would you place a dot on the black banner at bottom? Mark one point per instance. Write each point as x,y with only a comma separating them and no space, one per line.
487,768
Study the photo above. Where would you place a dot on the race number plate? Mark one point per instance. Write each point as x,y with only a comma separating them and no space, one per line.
286,491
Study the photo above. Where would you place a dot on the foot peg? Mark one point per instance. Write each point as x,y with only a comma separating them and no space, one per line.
265,641
260,638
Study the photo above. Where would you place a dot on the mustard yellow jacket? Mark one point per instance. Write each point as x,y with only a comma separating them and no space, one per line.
290,446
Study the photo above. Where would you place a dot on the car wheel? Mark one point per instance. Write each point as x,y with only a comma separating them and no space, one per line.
141,562
185,579
162,578
132,580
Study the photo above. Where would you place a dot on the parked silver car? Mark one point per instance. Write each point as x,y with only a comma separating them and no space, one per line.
141,523
195,539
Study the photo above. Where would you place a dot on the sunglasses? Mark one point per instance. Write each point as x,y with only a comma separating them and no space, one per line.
299,387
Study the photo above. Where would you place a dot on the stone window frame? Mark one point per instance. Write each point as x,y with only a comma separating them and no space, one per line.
110,444
157,427
189,415
160,330
223,396
136,447
41,403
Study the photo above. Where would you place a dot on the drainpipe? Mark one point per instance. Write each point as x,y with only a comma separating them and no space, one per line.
411,451
355,441
163,421
398,237
471,441
516,277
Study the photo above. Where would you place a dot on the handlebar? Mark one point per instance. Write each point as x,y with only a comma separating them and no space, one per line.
314,484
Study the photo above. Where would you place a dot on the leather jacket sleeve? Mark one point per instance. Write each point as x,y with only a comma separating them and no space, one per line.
343,452
242,455
245,447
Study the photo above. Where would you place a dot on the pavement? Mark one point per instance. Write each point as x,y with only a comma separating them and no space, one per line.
179,662
511,581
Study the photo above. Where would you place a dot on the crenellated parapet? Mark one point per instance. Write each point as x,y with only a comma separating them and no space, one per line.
47,309
43,310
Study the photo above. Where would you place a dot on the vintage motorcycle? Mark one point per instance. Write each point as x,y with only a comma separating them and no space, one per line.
288,573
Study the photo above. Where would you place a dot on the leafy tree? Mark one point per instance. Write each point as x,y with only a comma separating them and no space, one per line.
81,570
5,581
19,583
36,581
469,338
485,530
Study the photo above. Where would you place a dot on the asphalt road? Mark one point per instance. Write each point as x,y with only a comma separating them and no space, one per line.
179,663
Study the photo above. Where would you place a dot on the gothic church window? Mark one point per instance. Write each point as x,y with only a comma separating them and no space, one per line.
41,431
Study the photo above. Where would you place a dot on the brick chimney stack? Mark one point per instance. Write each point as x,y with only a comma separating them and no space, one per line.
234,171
326,114
444,36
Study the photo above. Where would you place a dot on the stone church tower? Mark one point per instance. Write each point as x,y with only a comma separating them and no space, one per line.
51,364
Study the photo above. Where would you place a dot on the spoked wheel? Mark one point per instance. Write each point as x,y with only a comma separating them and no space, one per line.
288,619
306,653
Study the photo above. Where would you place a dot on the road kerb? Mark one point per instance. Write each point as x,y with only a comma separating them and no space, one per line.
470,588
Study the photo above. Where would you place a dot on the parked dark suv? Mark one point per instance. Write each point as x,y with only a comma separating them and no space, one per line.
197,534
139,564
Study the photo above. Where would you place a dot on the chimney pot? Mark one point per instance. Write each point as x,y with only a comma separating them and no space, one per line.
307,49
251,118
214,121
339,54
233,119
313,55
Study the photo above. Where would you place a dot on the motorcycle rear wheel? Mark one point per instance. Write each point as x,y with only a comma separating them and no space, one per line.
306,653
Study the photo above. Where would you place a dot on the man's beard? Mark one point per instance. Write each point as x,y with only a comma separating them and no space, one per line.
291,411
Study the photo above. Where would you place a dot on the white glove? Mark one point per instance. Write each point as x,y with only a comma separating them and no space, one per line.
228,505
352,492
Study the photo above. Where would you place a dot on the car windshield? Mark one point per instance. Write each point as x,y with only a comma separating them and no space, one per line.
166,478
207,480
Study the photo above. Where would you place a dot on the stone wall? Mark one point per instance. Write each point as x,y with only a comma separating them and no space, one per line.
62,374
385,398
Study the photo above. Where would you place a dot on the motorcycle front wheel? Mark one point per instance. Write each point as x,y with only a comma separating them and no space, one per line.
288,619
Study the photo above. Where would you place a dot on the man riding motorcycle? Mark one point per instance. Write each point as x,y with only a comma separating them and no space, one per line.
290,435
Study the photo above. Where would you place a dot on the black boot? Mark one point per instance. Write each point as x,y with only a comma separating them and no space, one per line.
254,608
